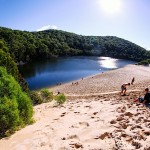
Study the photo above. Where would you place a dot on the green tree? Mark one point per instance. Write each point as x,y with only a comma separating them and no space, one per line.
15,106
7,61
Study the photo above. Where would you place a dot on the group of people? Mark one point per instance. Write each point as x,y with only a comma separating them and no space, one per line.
75,83
145,100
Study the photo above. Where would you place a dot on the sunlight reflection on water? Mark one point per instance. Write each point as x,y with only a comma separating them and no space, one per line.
108,62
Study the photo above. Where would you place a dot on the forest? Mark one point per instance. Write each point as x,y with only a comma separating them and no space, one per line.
26,46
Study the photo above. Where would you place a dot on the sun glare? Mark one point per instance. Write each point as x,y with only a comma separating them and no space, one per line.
111,6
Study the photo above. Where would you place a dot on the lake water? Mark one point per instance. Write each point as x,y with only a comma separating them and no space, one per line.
41,74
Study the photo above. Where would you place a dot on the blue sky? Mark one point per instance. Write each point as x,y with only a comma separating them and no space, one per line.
86,17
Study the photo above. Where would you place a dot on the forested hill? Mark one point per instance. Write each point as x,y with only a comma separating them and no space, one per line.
25,46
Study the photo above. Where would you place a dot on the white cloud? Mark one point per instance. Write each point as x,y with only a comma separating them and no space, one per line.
47,27
54,27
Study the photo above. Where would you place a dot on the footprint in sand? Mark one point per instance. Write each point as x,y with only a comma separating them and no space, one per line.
97,99
95,113
121,109
120,118
147,148
92,117
78,125
103,136
37,132
113,122
84,124
56,119
129,114
76,112
76,145
49,126
136,145
63,138
63,114
88,106
43,144
73,137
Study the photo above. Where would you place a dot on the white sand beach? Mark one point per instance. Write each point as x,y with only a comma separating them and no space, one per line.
95,116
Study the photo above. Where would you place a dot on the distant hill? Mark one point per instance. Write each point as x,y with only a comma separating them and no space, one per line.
25,46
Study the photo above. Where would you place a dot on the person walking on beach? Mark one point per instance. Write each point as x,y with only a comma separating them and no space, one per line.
124,89
132,80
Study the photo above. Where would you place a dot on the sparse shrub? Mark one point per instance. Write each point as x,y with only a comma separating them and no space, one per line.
144,62
47,95
61,98
35,97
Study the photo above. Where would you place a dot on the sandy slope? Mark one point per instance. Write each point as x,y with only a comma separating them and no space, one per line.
95,121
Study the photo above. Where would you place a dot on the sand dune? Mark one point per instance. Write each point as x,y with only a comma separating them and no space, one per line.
90,120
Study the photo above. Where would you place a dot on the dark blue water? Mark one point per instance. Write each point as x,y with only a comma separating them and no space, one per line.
41,74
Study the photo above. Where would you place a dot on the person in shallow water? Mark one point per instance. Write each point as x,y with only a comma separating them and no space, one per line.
124,89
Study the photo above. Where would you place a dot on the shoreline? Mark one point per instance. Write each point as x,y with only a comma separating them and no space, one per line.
68,82
107,81
90,76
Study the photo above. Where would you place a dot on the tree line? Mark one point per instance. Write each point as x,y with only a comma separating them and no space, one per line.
26,46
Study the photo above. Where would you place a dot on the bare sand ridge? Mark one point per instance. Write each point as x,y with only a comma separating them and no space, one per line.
93,118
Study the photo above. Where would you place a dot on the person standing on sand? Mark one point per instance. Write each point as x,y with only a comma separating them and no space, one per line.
132,80
124,89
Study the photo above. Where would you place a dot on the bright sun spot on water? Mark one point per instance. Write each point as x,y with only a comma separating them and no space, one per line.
108,62
111,6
